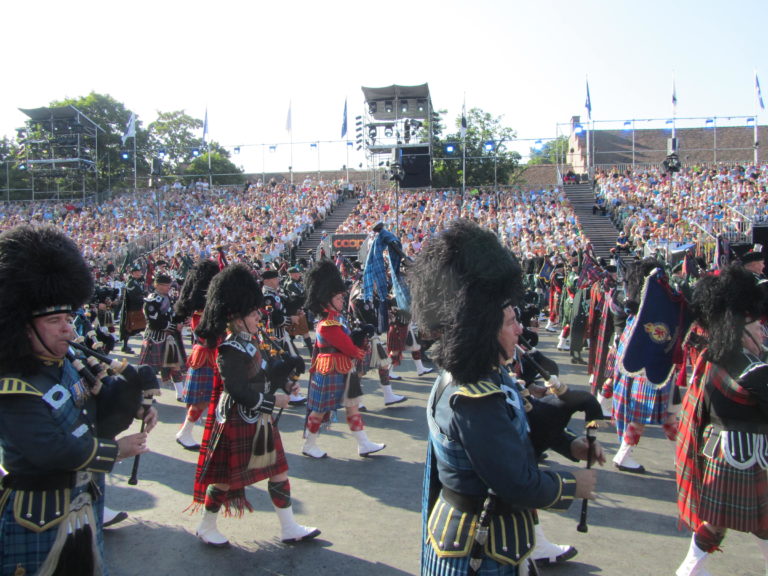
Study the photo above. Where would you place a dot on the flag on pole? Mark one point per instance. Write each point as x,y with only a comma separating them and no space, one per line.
344,120
758,93
205,125
288,126
464,120
588,103
130,130
674,98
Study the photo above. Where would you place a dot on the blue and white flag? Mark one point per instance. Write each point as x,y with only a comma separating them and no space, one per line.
130,130
588,103
205,126
758,93
344,120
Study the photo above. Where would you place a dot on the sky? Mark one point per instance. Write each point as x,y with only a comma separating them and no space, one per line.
247,62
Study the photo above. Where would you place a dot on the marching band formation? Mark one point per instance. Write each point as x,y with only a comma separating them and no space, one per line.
678,347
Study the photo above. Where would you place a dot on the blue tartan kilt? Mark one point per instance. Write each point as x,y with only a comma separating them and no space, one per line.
20,546
432,565
198,385
326,392
636,400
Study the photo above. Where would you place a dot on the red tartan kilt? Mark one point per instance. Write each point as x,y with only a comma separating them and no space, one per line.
396,336
230,459
733,498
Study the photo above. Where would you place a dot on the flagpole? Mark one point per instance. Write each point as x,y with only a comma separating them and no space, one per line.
134,160
756,142
589,129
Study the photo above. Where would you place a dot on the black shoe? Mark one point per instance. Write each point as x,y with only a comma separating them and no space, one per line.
126,350
192,447
565,556
117,518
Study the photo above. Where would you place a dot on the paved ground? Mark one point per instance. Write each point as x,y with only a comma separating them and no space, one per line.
369,509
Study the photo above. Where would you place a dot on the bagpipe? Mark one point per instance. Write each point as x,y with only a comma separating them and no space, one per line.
124,391
549,416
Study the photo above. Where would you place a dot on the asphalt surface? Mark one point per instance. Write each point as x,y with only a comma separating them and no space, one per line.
369,508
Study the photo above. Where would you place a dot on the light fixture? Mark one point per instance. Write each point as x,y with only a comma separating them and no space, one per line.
404,106
388,106
421,105
450,148
488,146
372,133
372,107
388,131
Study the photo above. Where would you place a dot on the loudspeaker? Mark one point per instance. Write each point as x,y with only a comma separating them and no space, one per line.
417,167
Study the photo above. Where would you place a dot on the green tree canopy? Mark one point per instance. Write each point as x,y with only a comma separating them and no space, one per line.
488,160
173,135
551,152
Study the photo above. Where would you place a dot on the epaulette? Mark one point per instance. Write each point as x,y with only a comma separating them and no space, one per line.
331,323
17,386
153,298
478,389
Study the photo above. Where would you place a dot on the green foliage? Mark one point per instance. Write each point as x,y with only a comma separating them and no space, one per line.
174,134
112,116
551,152
488,160
171,137
222,169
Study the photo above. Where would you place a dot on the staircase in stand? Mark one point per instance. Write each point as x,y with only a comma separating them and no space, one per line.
329,225
597,228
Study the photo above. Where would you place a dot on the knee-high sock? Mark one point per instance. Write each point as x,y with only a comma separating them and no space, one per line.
355,422
280,493
214,498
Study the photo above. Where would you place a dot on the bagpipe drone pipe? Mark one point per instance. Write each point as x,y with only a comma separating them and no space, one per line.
120,388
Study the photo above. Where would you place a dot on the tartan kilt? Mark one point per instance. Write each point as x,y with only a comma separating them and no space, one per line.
396,336
229,461
634,398
729,497
153,354
433,565
198,385
21,546
326,392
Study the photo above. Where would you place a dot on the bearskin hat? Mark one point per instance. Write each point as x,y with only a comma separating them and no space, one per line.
232,293
195,288
42,271
460,284
636,274
323,282
723,305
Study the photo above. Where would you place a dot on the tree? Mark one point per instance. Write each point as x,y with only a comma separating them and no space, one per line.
222,168
112,116
172,136
488,161
552,152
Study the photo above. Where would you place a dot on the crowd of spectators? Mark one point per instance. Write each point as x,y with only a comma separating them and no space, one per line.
264,221
532,223
257,223
692,206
